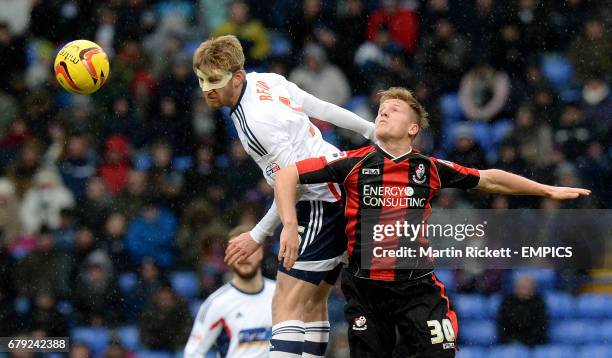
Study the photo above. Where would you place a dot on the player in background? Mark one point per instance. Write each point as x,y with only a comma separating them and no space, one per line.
271,116
237,318
384,184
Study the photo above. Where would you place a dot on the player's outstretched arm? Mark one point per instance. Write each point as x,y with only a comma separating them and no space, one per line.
501,182
329,112
285,193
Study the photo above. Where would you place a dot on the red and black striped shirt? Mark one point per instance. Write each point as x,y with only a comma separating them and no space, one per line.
379,189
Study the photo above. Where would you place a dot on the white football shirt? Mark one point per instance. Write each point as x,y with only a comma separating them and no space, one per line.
272,121
236,323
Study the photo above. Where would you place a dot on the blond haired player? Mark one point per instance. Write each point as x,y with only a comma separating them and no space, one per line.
390,296
237,318
271,116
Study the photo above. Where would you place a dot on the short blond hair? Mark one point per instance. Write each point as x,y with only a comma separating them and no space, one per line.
406,95
219,53
238,230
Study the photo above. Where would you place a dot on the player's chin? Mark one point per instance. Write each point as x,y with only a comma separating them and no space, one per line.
213,103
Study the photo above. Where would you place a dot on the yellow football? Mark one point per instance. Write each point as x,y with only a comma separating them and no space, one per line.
81,67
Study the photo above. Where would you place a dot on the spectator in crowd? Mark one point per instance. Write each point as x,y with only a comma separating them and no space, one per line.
10,222
149,281
235,179
78,166
533,139
151,234
166,312
21,172
9,321
591,51
571,133
403,24
522,316
43,202
116,165
66,232
250,32
304,23
467,150
351,28
44,270
130,200
117,350
122,123
93,210
484,93
79,350
11,47
45,319
443,56
113,240
597,106
96,297
202,174
321,78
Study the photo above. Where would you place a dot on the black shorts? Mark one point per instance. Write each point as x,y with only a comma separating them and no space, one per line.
399,319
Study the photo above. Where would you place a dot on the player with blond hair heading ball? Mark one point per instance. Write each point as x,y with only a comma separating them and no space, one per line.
271,116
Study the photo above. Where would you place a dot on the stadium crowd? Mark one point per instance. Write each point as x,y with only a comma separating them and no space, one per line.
115,207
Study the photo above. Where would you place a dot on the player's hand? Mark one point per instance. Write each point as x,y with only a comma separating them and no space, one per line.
565,193
289,245
239,248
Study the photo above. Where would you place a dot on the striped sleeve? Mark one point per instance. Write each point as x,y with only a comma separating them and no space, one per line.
453,175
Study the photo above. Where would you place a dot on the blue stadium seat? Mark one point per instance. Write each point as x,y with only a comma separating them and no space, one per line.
592,305
64,307
448,279
185,283
130,337
472,352
580,331
595,351
470,306
195,307
559,304
450,106
478,333
509,351
96,338
556,351
127,281
154,354
546,279
605,332
279,44
558,70
492,305
355,102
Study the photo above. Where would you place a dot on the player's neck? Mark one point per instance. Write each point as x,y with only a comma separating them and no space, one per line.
396,148
252,285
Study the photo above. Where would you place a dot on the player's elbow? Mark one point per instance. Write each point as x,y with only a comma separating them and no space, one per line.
487,181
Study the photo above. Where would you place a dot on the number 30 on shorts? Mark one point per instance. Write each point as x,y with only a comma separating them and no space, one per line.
441,331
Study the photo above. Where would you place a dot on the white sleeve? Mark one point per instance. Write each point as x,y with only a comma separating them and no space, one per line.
329,112
204,333
266,226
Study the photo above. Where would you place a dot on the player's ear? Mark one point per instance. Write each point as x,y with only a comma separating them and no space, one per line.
413,129
239,77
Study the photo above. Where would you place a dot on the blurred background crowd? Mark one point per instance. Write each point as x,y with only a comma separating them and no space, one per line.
115,207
